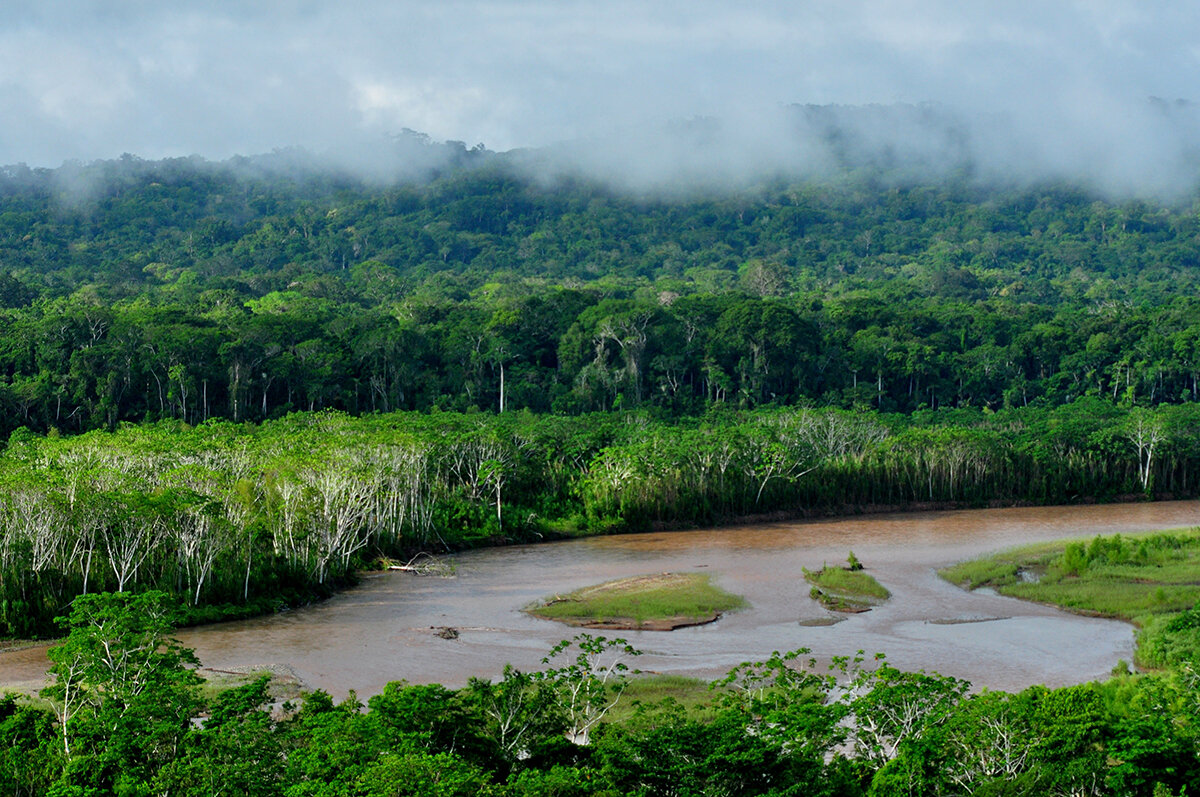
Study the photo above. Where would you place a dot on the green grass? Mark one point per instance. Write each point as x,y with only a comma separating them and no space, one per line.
1148,580
991,572
693,694
853,583
664,598
281,687
842,590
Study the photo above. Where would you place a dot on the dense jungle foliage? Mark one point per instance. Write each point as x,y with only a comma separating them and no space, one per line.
133,290
119,720
579,360
225,386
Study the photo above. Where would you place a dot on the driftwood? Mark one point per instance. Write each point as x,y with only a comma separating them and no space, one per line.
426,564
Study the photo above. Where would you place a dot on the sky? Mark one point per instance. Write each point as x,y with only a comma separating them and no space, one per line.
1063,86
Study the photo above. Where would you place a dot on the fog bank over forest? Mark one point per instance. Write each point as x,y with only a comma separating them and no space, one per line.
646,96
1151,149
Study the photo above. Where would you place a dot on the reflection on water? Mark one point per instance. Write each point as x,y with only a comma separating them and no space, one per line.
382,631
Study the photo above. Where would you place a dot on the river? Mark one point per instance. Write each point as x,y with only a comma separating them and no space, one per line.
383,630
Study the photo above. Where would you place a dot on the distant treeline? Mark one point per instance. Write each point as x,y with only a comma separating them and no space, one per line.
134,290
236,518
77,364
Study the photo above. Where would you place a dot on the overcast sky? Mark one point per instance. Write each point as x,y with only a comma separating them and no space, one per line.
92,79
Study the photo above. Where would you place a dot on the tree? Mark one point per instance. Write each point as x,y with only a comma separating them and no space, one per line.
591,681
1144,430
235,753
518,711
892,708
123,690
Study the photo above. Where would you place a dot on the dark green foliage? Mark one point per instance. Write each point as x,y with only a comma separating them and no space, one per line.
191,290
122,693
29,754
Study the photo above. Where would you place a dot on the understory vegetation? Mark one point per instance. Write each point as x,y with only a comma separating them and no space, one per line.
1149,580
125,716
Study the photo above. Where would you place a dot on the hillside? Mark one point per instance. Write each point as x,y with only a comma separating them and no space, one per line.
136,290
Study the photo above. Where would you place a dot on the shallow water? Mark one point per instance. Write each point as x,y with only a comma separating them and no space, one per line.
382,630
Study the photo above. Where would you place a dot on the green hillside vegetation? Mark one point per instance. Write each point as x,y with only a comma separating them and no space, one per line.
139,291
1152,581
226,387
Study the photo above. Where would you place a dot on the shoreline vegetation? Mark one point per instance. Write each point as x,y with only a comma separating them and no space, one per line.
241,519
1149,580
659,602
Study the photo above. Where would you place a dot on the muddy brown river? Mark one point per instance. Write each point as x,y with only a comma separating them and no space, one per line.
382,630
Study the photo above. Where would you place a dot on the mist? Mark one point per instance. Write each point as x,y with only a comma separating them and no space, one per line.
668,96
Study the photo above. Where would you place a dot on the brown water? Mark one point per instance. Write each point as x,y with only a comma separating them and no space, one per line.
381,631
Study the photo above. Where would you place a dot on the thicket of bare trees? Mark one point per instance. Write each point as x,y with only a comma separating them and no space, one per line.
243,517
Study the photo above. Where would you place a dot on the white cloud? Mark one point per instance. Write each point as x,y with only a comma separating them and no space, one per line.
94,78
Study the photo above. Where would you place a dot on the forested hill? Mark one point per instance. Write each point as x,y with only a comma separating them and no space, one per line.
135,290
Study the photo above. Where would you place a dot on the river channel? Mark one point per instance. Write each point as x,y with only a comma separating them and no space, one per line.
383,630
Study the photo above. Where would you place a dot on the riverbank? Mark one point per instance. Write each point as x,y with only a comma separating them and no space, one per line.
1151,581
191,616
383,630
292,505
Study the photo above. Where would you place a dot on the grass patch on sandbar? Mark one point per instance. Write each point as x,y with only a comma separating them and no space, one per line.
843,590
1152,581
653,602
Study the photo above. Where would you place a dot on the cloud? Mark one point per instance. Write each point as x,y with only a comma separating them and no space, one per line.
1071,81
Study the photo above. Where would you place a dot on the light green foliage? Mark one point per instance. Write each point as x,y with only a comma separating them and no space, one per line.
981,572
237,519
694,695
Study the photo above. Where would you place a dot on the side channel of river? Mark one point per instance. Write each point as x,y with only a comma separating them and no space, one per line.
384,629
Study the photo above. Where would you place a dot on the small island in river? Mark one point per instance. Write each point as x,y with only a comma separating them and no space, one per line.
659,602
846,589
